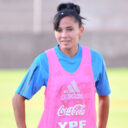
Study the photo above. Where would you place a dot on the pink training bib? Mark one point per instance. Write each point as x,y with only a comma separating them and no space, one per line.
69,97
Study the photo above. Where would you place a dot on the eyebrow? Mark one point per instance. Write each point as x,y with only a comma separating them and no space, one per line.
66,27
69,27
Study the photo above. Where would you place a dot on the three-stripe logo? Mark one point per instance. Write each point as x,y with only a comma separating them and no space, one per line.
72,92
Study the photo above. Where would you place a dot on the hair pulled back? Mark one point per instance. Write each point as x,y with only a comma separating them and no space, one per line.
67,9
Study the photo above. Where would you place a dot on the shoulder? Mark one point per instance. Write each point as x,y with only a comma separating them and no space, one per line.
41,59
96,55
98,65
96,59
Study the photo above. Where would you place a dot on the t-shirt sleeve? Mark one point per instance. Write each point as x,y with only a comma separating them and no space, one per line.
100,74
35,77
102,84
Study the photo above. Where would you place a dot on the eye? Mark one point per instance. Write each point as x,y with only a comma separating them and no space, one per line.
69,29
59,30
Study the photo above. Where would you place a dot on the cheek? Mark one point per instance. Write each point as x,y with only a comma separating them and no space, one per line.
56,35
77,36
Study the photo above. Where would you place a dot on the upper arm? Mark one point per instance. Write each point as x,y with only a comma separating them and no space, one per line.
18,98
35,78
100,74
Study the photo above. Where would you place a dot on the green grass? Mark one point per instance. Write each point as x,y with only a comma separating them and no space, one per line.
10,79
119,98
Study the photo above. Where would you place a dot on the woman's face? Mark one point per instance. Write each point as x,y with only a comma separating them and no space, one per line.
68,33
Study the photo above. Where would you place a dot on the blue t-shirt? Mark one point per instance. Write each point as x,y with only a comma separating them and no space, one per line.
38,73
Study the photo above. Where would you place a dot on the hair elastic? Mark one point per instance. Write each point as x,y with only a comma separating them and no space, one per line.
62,13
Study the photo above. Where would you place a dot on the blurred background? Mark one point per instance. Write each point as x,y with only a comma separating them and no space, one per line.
26,30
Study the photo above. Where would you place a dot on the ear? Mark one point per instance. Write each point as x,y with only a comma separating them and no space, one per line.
81,30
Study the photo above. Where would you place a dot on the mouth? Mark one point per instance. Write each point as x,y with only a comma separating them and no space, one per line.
65,41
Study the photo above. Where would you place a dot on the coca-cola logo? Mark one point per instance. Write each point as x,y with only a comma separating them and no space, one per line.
77,109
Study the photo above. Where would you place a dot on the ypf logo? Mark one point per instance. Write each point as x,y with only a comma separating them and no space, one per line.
73,124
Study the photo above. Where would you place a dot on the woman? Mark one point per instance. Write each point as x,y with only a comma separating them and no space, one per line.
71,74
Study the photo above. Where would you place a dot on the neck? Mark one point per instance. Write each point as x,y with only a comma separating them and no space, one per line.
71,52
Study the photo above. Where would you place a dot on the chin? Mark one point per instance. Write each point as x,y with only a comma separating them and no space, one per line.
66,46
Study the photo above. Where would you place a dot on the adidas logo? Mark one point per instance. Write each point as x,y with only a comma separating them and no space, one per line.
72,92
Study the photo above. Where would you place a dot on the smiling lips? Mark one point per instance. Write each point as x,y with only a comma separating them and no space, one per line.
65,41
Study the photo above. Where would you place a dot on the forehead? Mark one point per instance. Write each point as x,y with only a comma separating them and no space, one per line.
68,21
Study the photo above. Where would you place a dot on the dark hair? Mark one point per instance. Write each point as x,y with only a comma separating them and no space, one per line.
67,9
